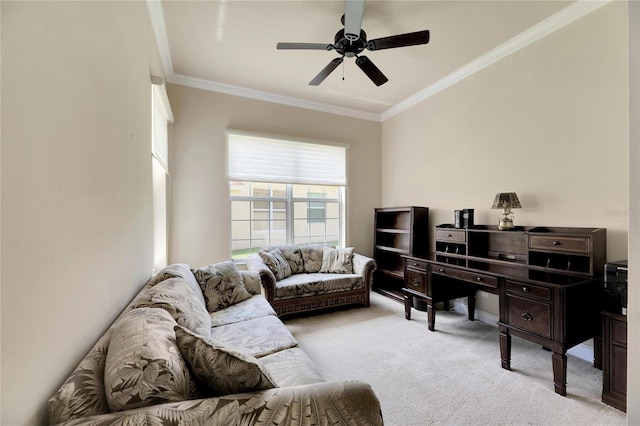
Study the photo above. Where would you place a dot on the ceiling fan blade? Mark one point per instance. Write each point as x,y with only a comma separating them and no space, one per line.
305,46
371,70
325,72
401,40
353,11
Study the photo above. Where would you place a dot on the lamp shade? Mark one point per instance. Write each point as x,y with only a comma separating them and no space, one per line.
505,200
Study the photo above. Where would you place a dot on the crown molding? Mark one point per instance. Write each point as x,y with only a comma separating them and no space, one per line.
560,19
566,16
160,31
213,86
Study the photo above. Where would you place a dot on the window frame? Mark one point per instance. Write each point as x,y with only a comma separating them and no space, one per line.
289,199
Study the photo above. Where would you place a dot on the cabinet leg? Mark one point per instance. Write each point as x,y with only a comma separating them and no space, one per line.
431,316
445,305
408,301
560,372
471,302
505,349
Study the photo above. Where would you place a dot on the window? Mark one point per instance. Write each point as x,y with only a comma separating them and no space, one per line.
284,192
161,116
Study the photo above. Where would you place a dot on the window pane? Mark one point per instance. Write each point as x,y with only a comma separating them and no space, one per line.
279,189
300,228
241,230
300,210
240,249
259,229
332,192
259,189
333,210
317,229
262,219
240,210
239,189
300,191
333,227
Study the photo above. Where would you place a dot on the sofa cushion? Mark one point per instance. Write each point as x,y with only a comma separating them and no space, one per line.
291,367
312,257
276,263
255,307
178,270
293,256
223,370
318,283
251,281
256,337
143,365
337,260
221,285
176,297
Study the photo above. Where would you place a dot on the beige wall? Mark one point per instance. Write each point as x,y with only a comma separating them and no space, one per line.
200,214
549,122
76,186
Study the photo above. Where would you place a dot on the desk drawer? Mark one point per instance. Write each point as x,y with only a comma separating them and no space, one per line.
530,315
419,265
451,235
416,281
563,244
480,279
528,290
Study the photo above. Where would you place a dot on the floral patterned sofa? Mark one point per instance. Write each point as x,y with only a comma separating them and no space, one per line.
299,278
204,347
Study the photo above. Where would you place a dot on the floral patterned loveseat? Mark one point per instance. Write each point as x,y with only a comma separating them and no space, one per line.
204,347
298,278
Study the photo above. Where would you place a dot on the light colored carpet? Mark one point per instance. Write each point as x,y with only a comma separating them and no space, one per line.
451,376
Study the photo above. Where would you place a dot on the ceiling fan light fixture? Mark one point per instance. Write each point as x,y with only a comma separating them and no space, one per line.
347,44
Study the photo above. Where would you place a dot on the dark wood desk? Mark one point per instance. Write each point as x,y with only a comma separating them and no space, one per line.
553,301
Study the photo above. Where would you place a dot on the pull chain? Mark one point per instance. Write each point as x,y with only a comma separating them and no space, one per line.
342,70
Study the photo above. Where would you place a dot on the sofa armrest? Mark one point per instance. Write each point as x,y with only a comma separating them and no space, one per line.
348,403
364,266
268,280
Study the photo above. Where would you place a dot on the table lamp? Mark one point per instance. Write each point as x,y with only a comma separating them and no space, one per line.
506,201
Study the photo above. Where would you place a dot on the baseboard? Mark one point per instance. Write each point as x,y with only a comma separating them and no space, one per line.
584,351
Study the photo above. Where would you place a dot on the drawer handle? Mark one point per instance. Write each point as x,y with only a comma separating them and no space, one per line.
449,236
441,270
525,289
556,243
416,283
480,279
527,316
415,264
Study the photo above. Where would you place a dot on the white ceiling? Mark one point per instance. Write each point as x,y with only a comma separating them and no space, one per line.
230,46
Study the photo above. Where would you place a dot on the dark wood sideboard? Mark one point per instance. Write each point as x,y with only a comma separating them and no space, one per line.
614,364
548,281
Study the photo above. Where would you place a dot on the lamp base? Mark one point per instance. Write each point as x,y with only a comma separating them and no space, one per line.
505,224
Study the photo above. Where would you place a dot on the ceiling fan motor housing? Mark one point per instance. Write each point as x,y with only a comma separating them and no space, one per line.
349,48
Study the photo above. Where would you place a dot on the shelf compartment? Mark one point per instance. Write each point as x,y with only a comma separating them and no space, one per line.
561,262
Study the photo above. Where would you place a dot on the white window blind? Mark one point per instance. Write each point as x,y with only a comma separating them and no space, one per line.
256,158
162,115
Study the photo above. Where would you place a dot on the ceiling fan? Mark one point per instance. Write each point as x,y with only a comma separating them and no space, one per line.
352,40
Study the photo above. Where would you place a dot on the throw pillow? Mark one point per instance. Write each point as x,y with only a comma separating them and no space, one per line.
337,261
276,262
292,254
311,257
222,370
176,297
143,365
178,270
221,285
